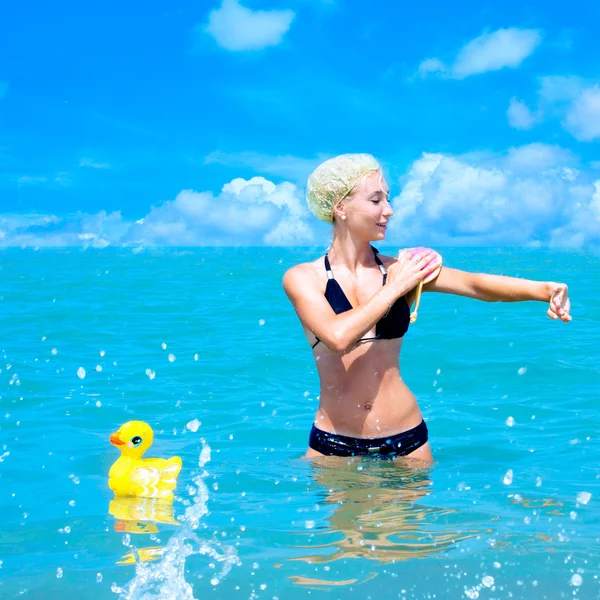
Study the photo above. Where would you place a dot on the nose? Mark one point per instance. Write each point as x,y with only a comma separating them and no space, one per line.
388,211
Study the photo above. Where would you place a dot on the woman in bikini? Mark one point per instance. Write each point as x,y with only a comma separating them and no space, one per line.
354,306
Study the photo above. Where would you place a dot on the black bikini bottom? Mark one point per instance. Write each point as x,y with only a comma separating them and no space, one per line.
399,444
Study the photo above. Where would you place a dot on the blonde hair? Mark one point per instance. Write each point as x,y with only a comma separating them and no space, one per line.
334,179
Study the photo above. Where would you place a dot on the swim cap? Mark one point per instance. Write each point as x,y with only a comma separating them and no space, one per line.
334,179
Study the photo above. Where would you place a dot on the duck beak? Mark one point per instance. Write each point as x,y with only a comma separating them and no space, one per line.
115,439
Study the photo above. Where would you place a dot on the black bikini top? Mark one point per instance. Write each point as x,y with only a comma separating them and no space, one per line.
393,325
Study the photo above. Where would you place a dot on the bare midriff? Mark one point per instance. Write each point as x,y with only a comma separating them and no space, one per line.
362,392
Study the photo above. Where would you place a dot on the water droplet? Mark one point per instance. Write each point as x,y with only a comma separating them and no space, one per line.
510,421
196,356
59,573
53,351
508,478
102,353
194,425
126,539
583,497
163,346
261,322
98,368
98,577
151,374
487,580
81,373
522,371
576,580
171,358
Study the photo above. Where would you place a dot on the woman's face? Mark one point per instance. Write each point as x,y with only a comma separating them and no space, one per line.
367,209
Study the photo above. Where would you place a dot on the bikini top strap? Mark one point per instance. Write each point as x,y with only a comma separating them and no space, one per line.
328,268
381,265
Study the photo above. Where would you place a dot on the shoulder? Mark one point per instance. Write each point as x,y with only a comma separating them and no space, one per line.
302,275
388,261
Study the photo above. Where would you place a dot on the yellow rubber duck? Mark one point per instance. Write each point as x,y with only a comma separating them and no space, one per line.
132,475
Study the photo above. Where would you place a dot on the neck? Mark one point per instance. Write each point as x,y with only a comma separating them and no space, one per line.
350,253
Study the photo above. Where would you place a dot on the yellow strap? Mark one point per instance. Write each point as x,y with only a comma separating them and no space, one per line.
414,313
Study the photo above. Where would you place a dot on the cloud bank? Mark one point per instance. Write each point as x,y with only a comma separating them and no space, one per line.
532,195
245,212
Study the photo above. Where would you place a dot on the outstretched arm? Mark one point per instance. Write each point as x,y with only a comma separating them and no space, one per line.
498,288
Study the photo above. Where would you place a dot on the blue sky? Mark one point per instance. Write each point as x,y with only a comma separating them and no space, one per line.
198,123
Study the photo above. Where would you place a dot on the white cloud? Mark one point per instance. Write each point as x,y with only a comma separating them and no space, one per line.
61,178
494,51
533,194
519,115
79,229
431,65
237,28
88,162
568,98
246,212
556,89
31,180
583,116
538,158
503,48
290,167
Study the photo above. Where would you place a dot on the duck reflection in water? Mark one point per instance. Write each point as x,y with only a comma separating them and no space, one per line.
141,516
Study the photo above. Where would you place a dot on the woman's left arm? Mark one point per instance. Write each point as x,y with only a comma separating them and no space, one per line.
498,288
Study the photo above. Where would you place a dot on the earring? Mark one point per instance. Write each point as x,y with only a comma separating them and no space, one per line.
343,217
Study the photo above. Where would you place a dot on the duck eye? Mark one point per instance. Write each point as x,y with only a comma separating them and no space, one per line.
136,440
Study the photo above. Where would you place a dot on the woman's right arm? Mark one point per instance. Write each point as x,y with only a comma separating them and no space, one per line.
341,332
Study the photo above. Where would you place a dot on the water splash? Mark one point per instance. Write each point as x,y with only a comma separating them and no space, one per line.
165,579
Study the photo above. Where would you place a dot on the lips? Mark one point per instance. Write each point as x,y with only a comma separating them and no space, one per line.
115,440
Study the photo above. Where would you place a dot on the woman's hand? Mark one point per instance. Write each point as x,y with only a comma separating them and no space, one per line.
560,305
407,272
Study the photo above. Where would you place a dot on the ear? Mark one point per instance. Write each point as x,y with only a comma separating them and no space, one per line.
340,211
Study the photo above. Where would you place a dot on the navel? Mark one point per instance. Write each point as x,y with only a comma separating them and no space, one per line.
368,406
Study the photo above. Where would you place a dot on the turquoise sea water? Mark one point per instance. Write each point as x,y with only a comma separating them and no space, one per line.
205,340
